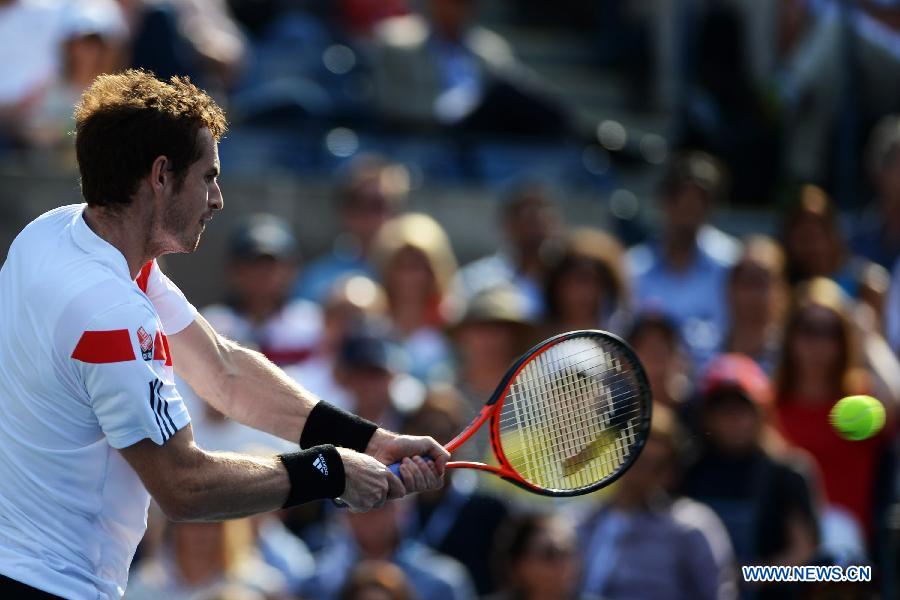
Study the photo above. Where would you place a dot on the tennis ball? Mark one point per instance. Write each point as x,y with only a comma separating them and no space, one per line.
857,417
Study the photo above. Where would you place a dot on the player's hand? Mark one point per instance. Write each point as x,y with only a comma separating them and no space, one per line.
418,475
369,484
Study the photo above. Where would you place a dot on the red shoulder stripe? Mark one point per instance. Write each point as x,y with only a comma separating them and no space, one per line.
161,349
98,347
143,277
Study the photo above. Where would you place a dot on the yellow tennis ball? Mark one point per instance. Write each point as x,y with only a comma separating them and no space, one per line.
857,417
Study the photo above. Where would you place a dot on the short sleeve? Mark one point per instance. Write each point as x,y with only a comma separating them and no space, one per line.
174,310
123,360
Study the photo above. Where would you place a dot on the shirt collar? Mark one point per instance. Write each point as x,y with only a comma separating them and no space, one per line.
93,244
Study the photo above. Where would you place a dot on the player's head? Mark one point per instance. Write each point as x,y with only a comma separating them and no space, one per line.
139,139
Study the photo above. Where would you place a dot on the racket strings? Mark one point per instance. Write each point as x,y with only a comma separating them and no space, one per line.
570,416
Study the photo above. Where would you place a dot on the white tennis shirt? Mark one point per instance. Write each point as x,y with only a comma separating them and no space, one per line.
85,369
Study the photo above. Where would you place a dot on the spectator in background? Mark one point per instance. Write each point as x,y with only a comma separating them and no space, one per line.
644,543
683,273
352,301
814,245
201,560
763,500
263,260
378,535
439,68
532,224
757,302
369,192
586,286
366,365
536,558
820,364
415,262
376,580
199,38
877,237
456,520
93,36
491,332
657,341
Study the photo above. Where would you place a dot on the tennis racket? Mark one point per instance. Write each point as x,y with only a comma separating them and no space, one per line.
568,418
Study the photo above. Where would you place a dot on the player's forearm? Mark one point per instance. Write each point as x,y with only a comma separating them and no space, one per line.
257,393
219,486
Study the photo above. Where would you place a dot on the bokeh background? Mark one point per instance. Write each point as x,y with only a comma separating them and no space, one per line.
418,190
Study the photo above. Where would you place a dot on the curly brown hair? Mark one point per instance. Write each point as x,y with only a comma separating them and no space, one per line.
123,122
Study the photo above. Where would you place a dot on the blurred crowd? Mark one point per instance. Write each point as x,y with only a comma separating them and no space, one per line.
747,342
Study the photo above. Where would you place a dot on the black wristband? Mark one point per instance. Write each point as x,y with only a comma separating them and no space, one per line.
328,424
315,474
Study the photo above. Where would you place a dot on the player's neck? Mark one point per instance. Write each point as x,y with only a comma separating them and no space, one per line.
126,229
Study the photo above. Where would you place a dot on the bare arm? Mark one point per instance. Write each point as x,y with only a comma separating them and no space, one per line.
247,387
190,484
239,382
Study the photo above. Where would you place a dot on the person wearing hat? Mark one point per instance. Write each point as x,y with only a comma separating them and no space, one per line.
491,331
366,365
751,480
262,261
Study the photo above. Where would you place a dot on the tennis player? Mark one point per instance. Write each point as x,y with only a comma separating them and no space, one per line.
91,335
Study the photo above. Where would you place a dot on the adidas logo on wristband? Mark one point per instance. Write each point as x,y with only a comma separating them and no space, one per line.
319,463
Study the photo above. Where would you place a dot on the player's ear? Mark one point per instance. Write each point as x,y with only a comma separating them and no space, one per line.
159,172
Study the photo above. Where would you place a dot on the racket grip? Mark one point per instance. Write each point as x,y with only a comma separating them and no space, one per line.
395,468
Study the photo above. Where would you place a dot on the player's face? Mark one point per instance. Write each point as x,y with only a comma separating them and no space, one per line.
192,206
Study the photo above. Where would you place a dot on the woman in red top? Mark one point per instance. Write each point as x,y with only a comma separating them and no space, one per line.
818,367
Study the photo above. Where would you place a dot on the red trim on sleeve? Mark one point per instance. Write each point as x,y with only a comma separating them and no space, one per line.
161,349
143,277
98,347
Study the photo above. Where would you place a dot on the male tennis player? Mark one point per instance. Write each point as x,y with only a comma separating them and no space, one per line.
91,333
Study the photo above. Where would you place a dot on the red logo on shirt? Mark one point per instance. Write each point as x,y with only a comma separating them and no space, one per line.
146,343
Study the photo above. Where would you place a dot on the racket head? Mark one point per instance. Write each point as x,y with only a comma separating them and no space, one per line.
571,415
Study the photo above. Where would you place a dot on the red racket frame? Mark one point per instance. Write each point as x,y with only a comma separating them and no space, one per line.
495,404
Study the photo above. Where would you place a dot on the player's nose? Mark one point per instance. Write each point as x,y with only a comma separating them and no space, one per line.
216,201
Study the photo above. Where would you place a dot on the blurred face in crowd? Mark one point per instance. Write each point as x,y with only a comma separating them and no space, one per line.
262,281
366,209
377,532
663,362
686,209
369,387
199,550
348,304
732,422
815,342
754,293
488,343
582,290
651,473
531,222
811,247
548,568
409,278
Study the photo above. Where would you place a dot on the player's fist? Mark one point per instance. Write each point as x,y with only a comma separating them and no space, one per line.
369,483
418,475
